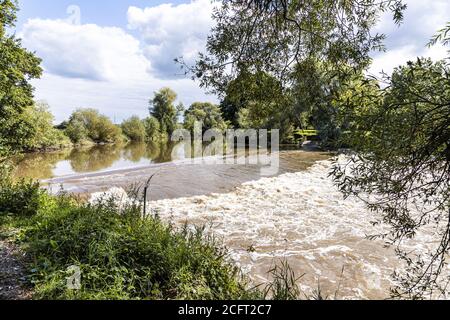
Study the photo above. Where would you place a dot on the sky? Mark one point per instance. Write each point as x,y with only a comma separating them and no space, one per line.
112,55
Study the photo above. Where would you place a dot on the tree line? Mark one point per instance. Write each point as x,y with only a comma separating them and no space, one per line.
34,129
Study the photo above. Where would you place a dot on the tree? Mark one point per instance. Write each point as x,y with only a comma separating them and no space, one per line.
152,129
207,113
45,136
258,100
162,107
76,131
272,36
134,129
401,166
89,123
318,95
17,67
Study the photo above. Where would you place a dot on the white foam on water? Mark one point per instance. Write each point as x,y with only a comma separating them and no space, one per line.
301,217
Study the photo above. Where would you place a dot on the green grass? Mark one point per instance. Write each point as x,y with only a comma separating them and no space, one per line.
120,254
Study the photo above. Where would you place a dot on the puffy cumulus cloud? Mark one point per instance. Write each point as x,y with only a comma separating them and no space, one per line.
393,58
98,67
85,51
408,41
171,31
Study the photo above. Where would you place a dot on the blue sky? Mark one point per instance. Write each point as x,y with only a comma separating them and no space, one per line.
102,12
120,51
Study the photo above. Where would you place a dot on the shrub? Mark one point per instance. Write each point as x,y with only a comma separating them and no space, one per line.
123,256
134,129
21,198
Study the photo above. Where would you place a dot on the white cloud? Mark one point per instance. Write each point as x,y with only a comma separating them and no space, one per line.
99,67
85,51
169,32
408,41
118,100
393,58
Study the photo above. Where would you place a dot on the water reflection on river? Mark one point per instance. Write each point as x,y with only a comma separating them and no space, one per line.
93,159
99,168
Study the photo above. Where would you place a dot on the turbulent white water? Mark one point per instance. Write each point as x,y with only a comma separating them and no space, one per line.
300,217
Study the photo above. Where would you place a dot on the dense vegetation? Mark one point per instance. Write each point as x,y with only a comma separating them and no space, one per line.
121,254
17,67
400,135
207,114
134,129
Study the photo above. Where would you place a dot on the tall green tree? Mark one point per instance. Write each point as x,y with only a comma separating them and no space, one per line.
17,67
257,100
152,129
163,108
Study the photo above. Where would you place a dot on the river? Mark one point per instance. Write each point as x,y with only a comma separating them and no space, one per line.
87,170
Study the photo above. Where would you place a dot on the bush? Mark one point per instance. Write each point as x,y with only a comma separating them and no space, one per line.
134,129
90,124
21,198
123,256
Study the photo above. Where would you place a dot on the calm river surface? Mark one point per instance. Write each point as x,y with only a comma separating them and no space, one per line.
87,170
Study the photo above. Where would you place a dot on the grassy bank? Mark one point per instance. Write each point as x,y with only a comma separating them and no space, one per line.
120,254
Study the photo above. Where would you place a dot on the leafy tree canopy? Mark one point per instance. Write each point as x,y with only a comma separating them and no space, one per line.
401,165
207,113
272,36
44,136
134,129
163,108
90,124
17,67
152,128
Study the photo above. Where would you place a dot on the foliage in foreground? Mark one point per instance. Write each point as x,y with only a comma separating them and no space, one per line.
18,66
401,168
121,255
